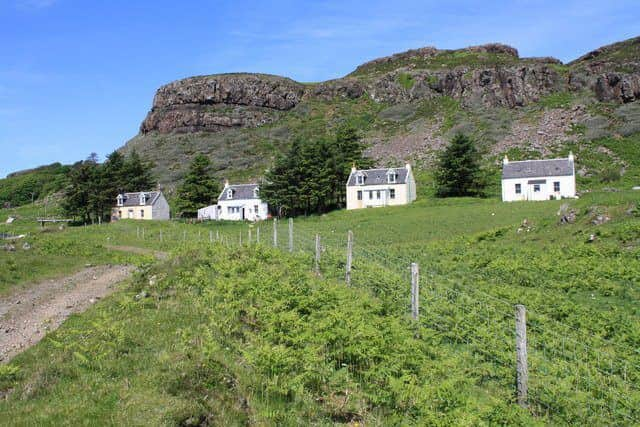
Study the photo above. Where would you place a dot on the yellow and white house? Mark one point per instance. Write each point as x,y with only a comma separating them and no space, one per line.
144,205
367,188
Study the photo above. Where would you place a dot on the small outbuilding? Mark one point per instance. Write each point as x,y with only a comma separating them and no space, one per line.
538,179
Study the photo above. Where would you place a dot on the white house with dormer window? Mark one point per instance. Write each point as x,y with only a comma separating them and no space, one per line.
368,188
538,179
237,202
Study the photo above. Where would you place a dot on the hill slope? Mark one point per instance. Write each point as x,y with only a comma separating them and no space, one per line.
406,105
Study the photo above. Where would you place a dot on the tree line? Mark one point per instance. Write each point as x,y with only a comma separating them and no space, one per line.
310,176
92,186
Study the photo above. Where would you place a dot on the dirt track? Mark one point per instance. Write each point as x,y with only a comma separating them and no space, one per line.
26,316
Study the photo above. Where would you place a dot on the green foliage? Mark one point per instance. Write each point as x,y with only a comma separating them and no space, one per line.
556,100
311,176
198,189
406,80
93,187
21,188
458,172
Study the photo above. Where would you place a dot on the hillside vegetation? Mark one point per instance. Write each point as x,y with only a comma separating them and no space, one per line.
228,334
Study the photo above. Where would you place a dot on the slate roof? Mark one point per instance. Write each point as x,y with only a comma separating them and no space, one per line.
240,192
537,168
133,199
378,176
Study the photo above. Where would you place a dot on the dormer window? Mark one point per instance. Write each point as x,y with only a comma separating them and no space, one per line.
256,192
120,200
392,176
360,179
143,199
229,193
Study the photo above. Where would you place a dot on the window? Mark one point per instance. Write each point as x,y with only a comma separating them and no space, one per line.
229,193
378,194
392,177
392,193
142,199
120,214
360,179
359,194
518,188
255,208
556,186
370,195
120,200
141,213
536,188
255,193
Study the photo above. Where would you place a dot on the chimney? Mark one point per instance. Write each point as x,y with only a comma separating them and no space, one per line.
505,161
571,156
353,167
226,183
408,166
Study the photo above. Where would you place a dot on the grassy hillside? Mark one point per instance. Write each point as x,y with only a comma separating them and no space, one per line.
23,187
233,335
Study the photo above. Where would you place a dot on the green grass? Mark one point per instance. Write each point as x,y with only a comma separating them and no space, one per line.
23,187
406,80
234,335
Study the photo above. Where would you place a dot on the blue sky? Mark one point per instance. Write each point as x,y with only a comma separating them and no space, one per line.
79,76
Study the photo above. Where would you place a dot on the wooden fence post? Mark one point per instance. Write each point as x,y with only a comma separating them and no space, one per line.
142,233
415,291
258,235
240,238
249,241
317,257
275,232
349,257
160,236
290,234
522,369
217,235
210,236
184,236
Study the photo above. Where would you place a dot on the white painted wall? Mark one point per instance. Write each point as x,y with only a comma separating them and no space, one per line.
567,188
379,195
232,210
208,213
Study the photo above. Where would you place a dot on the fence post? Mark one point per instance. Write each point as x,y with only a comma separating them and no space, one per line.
240,237
184,236
210,236
160,236
142,233
258,235
317,257
290,234
349,257
249,241
415,291
217,235
275,232
137,232
522,368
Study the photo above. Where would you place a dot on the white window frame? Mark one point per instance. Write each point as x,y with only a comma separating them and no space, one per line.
229,193
518,188
120,200
392,193
556,184
359,195
360,179
536,188
392,177
142,199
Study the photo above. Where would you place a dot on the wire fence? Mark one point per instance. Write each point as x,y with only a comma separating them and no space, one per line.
573,376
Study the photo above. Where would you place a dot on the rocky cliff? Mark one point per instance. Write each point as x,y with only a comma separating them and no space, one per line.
241,119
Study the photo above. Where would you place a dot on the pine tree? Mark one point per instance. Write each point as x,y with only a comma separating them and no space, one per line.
199,188
458,169
137,174
80,195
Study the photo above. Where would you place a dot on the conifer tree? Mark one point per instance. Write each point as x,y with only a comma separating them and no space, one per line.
199,189
458,169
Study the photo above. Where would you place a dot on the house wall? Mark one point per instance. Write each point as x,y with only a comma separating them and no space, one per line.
132,212
161,209
405,193
567,188
249,206
209,212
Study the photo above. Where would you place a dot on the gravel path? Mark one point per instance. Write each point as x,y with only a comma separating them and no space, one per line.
26,316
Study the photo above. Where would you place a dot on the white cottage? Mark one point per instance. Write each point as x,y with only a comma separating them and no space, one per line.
380,187
237,203
538,179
